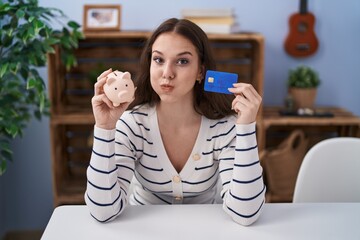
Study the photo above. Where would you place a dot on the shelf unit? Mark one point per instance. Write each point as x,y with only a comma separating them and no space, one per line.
71,121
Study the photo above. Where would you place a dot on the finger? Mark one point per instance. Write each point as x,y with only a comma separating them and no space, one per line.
101,99
255,93
125,105
248,91
240,98
104,74
106,100
238,106
99,86
238,88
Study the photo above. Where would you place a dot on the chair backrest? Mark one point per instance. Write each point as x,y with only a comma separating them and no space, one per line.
330,172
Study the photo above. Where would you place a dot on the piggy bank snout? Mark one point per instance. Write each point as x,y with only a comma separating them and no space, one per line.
119,87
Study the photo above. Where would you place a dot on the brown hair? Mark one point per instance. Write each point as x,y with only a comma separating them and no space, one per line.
211,105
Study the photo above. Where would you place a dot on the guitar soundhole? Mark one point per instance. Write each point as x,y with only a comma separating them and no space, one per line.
302,27
303,47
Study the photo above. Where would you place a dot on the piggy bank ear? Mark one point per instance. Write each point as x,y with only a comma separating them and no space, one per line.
127,75
110,80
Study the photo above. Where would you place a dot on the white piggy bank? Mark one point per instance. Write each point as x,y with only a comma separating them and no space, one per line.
119,87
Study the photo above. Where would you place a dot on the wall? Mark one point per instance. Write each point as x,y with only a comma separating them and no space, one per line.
26,191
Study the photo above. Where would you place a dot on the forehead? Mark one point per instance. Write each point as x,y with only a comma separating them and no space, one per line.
172,42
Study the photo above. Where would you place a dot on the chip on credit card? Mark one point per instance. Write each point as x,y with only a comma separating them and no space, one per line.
219,82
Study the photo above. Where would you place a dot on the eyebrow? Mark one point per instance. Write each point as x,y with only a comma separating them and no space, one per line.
179,54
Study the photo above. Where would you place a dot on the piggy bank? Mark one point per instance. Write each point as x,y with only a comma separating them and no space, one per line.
119,87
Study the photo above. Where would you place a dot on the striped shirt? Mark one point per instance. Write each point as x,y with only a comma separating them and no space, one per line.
134,153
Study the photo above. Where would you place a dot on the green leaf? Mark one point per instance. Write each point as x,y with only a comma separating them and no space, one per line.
7,154
3,69
2,166
73,24
38,25
5,8
48,48
31,83
42,102
31,18
5,146
31,32
12,130
52,41
20,13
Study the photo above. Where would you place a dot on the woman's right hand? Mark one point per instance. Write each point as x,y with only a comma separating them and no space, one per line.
106,115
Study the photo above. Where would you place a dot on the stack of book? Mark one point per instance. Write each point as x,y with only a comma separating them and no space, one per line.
213,20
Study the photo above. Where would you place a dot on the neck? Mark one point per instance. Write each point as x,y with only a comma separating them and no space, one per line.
303,6
177,114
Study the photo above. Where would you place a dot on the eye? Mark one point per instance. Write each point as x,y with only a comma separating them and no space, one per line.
183,61
126,85
116,88
158,60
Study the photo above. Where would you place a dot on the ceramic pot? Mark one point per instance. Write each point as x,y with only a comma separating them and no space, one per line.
303,97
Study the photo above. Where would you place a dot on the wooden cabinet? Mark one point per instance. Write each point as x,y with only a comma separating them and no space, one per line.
71,121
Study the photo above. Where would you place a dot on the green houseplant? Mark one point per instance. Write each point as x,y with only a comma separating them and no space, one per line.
26,38
302,83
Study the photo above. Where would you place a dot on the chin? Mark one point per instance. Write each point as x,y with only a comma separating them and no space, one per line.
168,99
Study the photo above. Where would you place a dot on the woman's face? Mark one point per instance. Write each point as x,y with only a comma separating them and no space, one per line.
174,67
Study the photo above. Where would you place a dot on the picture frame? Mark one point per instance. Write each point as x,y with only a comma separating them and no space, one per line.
100,17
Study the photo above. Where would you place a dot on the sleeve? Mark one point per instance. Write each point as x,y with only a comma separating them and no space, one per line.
243,190
110,172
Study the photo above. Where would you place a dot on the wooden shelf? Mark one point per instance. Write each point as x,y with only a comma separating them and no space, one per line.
75,118
273,128
146,34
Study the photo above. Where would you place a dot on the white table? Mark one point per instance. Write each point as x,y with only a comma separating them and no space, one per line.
277,221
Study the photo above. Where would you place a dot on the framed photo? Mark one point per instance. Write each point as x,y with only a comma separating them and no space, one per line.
101,17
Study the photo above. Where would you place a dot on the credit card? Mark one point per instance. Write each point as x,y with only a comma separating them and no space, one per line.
219,82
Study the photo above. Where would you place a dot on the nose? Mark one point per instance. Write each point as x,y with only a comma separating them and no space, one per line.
168,72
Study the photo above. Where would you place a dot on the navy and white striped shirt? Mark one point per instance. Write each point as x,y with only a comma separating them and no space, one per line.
134,152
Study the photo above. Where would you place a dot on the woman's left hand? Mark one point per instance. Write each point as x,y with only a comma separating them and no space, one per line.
246,103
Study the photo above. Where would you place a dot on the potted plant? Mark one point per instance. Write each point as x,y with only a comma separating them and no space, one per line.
26,38
303,82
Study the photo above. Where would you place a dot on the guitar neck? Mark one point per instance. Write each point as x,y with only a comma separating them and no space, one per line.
303,6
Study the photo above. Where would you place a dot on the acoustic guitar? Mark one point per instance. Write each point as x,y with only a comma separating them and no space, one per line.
301,40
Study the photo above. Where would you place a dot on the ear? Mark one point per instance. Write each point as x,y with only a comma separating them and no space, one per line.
110,80
201,74
127,75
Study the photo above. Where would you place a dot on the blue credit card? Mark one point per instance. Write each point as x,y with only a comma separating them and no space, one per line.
219,82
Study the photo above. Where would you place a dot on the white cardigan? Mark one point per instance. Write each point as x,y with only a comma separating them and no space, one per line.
135,152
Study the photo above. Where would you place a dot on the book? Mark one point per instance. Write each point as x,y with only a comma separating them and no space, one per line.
215,20
212,20
219,28
207,12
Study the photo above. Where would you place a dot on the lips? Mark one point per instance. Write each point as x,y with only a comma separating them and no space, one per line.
166,87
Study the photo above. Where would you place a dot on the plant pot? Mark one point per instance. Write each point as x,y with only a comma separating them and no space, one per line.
303,97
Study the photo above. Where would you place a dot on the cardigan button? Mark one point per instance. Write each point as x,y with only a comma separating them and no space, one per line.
196,157
176,179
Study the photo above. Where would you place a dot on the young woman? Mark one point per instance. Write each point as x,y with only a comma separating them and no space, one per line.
176,141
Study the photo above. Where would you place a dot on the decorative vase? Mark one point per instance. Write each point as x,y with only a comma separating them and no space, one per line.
303,97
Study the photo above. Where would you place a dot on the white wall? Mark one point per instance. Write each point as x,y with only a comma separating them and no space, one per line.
26,190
